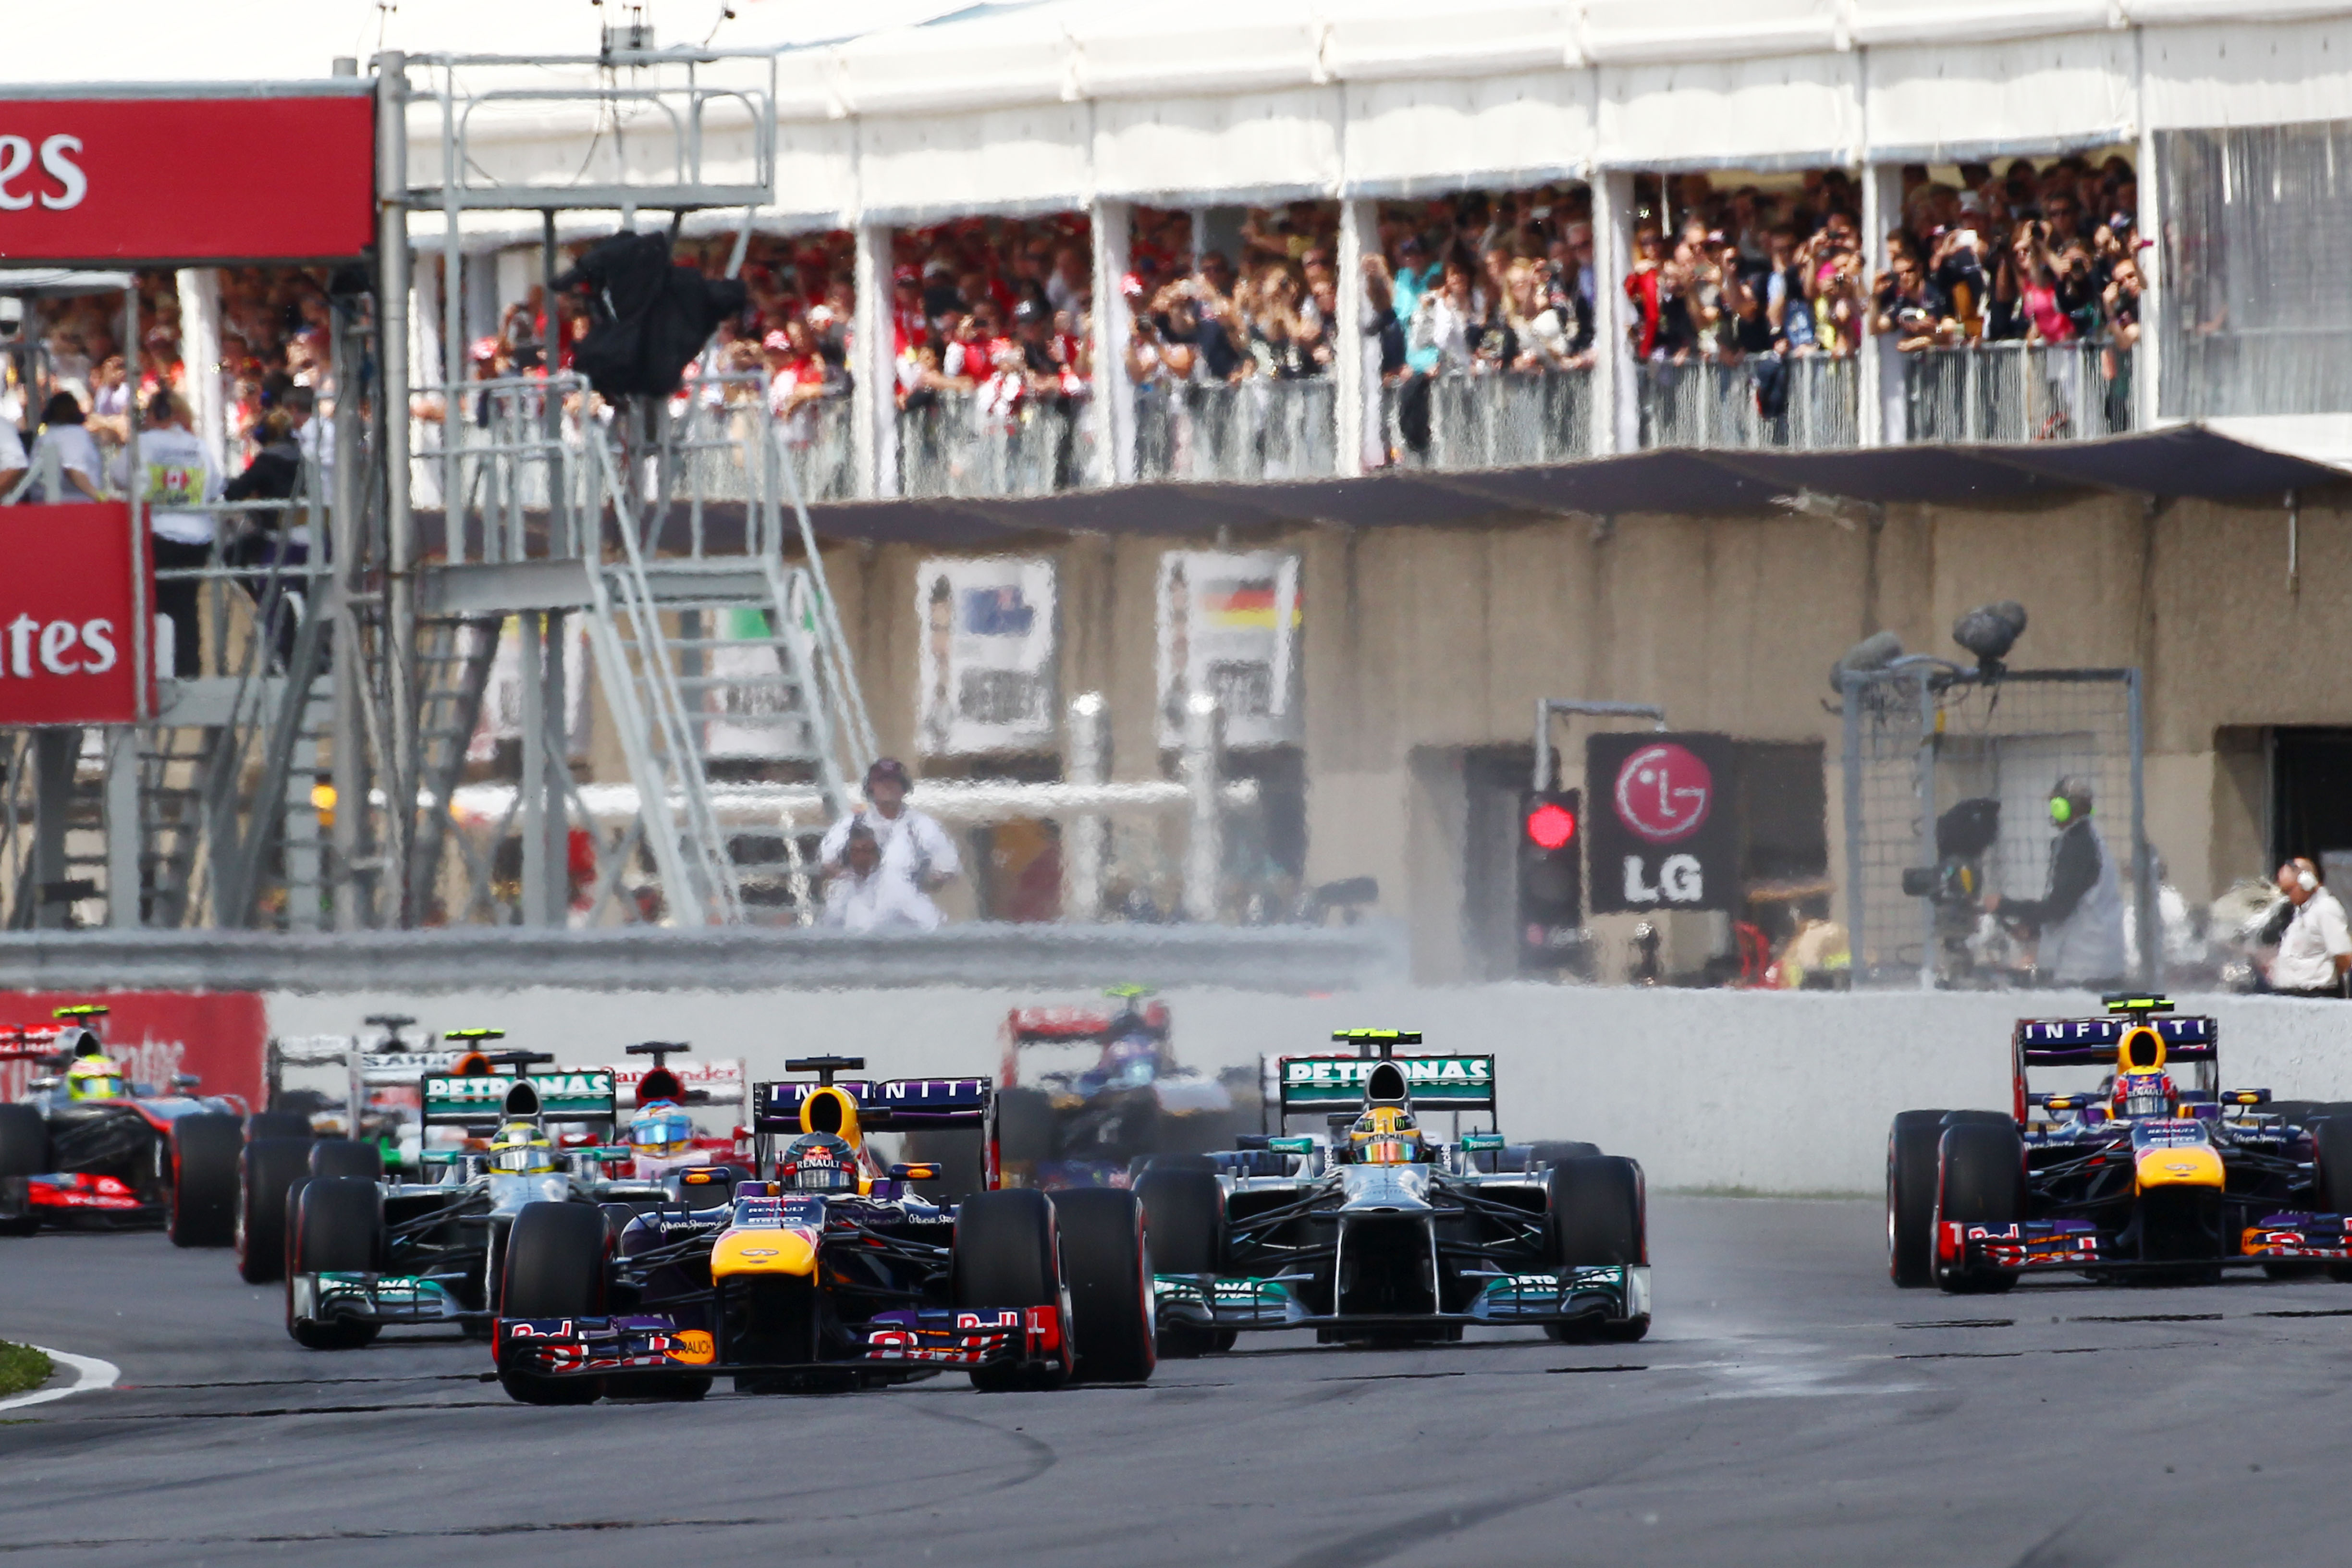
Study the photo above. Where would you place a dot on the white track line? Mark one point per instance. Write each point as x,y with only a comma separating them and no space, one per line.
93,1373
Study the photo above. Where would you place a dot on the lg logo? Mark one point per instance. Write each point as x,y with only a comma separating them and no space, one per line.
16,157
61,646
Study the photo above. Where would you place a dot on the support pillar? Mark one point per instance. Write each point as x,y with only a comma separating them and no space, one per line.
2146,359
123,895
1111,401
392,299
532,663
1083,835
1884,412
53,778
1616,377
557,776
1355,365
200,352
874,412
1204,849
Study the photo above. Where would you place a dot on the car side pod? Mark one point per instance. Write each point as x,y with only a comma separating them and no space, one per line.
791,1251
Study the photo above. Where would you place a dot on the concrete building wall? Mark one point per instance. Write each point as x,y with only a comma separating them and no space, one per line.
1421,642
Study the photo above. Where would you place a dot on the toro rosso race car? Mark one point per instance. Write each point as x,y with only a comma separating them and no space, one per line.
2151,1173
1382,1232
823,1270
88,1148
363,1255
1087,1123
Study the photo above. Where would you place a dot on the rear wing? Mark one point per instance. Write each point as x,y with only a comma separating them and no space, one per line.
884,1105
2189,1038
1337,1082
568,1094
725,1081
1075,1027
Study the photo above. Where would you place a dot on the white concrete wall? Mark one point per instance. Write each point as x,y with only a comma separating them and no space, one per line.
1781,1093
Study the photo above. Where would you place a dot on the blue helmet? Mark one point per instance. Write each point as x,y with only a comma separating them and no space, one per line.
662,1129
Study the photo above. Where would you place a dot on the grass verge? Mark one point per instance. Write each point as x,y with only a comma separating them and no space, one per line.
22,1368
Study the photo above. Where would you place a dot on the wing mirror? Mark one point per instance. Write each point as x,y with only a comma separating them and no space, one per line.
1481,1142
1290,1145
925,1171
185,1081
2246,1097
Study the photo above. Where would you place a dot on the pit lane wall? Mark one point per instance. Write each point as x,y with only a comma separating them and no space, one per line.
1788,1093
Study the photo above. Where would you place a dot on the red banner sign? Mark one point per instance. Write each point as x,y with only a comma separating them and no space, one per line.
165,179
216,1034
67,655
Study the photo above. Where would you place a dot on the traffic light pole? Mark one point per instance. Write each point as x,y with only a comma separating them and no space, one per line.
1549,708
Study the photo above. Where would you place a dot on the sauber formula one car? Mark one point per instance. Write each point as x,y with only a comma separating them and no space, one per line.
90,1149
1385,1233
1085,1123
824,1270
363,1255
2143,1175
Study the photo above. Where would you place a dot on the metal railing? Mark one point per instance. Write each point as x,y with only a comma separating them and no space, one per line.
970,444
1806,404
1489,420
2017,391
1259,428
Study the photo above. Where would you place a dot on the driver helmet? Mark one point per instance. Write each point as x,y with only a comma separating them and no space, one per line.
2139,1094
521,1149
661,1129
95,1077
818,1163
1385,1135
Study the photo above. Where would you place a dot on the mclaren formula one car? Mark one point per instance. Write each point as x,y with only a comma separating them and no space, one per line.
822,1269
1381,1232
362,1254
2145,1171
90,1149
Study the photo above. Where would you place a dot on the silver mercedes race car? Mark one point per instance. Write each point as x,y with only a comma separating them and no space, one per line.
1381,1232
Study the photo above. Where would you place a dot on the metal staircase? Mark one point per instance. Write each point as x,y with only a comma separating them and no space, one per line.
453,669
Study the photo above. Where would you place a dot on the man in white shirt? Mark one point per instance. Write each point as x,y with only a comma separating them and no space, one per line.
2315,949
175,476
12,456
915,852
862,897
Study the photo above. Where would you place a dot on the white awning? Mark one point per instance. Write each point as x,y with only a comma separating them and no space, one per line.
1946,102
1407,137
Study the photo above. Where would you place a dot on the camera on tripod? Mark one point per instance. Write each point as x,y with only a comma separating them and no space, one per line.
1954,883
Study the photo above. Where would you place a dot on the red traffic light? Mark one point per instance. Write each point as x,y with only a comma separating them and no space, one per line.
1551,825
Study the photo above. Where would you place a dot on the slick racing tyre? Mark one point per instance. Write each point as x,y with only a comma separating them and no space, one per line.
347,1157
1980,1180
1008,1254
205,1147
1026,1134
267,1169
1107,1262
1185,1212
1597,1215
1911,1147
1543,1155
276,1124
554,1268
2331,1173
958,1152
336,1227
23,1151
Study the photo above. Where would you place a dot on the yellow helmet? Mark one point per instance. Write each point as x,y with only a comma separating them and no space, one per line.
1385,1135
521,1149
95,1077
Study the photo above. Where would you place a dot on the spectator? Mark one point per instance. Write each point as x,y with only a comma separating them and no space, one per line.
174,474
915,853
13,464
66,442
268,545
2314,949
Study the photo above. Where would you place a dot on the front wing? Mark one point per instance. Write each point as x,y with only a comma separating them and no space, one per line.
79,1198
1600,1295
904,1344
2060,1246
387,1300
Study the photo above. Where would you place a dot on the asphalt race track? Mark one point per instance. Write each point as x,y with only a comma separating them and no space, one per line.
1790,1406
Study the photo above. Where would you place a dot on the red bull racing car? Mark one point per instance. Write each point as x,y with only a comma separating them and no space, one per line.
2146,1171
825,1270
90,1149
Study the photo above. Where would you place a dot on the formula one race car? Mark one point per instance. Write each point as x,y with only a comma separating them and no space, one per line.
824,1270
1383,1234
363,1255
88,1148
1087,1125
2141,1176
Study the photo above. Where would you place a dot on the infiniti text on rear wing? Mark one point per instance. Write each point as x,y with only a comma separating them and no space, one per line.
2090,1042
1435,1082
883,1105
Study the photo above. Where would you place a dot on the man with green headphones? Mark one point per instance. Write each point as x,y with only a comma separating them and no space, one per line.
2080,918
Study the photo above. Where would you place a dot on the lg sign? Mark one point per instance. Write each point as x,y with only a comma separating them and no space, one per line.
1672,840
67,184
68,601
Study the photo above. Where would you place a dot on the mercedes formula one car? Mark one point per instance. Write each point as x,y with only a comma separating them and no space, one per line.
363,1254
2152,1172
90,1149
823,1270
1381,1232
1087,1123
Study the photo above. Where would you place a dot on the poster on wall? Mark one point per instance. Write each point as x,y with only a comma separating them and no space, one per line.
1228,625
748,713
157,1035
985,662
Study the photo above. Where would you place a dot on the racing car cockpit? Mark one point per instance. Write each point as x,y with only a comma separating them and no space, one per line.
818,1163
1387,1135
521,1148
95,1077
